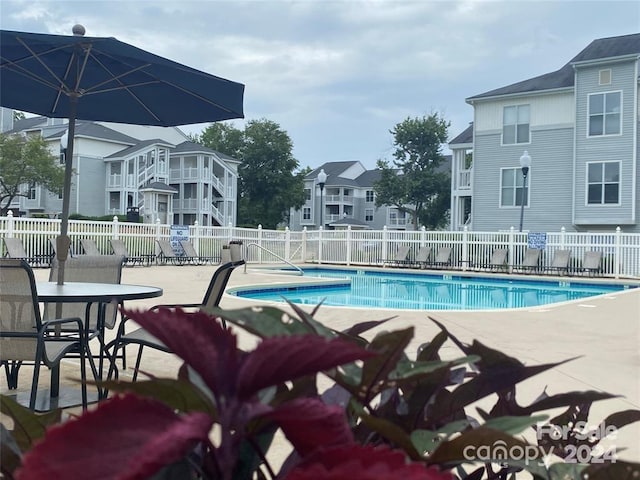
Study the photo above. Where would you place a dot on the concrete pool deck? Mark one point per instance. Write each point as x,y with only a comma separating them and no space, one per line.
603,332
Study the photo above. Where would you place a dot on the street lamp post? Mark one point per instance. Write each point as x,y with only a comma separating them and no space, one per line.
525,163
322,179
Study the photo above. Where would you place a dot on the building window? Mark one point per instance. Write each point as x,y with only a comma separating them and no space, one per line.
307,194
603,183
515,124
32,191
368,215
512,187
604,114
605,77
369,196
306,213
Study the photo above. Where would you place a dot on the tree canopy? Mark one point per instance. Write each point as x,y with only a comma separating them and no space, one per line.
26,161
416,183
270,182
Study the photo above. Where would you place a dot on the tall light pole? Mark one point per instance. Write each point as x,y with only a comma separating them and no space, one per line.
525,163
322,179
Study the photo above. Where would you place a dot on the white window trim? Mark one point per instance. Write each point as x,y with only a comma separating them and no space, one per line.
519,169
528,142
373,214
604,135
586,185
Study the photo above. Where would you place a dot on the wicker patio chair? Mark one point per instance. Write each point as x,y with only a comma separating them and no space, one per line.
142,338
25,338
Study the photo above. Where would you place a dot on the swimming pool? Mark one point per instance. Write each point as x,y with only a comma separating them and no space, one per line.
419,291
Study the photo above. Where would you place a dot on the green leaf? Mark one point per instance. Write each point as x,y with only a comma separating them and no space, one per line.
428,440
263,321
430,350
390,347
177,394
613,471
28,426
514,425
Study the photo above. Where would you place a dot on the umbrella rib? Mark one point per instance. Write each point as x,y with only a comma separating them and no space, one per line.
61,83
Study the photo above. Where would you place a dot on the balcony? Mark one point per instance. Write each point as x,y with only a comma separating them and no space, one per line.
464,179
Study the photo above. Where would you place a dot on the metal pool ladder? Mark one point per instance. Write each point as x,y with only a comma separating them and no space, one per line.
301,272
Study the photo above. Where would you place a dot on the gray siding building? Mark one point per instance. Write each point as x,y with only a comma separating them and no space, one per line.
579,125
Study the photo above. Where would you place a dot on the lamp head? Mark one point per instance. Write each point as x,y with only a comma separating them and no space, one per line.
64,140
322,178
525,162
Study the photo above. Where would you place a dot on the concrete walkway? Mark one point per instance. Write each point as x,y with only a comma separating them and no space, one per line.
603,332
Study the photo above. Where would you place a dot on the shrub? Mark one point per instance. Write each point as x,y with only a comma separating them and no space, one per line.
385,415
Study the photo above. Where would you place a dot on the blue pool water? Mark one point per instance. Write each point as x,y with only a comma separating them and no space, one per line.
372,289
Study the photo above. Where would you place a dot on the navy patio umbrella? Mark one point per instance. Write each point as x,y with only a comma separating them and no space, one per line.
104,79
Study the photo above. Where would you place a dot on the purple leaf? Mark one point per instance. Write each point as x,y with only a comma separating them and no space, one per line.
199,340
124,438
279,359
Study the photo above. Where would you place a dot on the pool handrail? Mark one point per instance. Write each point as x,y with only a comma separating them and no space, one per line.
270,252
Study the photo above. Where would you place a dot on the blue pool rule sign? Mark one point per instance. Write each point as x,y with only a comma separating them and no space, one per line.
537,240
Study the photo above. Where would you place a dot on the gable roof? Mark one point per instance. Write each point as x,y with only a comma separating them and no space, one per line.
465,137
193,147
600,49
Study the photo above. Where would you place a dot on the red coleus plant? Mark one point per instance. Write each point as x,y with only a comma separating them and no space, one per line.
134,435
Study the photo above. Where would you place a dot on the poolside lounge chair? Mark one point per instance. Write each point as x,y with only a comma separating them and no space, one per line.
193,256
400,258
530,262
168,255
89,246
119,248
560,262
25,338
15,249
497,262
443,258
142,338
422,257
591,263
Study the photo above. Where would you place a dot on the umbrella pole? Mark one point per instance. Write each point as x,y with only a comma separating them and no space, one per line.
63,242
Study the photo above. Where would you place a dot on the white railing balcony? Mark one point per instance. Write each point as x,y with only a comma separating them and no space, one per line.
189,203
114,181
397,222
464,179
331,217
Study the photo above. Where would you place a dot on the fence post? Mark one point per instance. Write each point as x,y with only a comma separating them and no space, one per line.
156,251
423,236
616,253
385,241
465,248
287,244
563,238
348,245
304,245
10,224
511,248
320,245
196,236
115,228
260,243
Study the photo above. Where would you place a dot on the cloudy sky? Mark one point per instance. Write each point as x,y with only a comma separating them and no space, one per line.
337,75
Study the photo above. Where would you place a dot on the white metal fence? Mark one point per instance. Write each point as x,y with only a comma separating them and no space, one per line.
620,251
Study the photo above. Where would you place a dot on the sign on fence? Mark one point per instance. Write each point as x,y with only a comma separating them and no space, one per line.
177,233
537,240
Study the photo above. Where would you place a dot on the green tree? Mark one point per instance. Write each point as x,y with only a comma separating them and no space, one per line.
25,162
416,183
270,182
222,137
